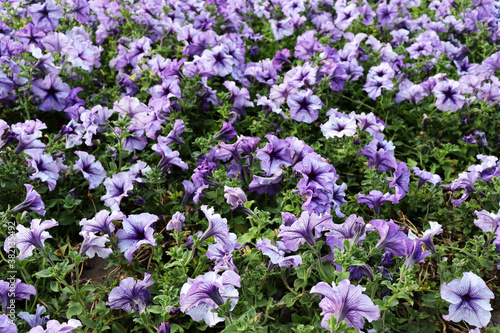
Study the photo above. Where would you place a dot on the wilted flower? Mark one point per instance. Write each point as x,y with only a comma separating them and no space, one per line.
345,302
470,300
131,294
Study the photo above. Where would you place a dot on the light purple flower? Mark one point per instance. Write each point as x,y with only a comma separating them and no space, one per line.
51,91
235,196
304,106
102,222
7,325
117,187
277,253
44,167
207,292
345,302
131,294
428,234
32,202
26,240
93,244
470,300
425,177
217,226
91,169
274,155
413,252
339,127
45,16
375,199
137,230
34,319
177,222
53,326
168,157
10,290
391,238
486,221
448,97
269,185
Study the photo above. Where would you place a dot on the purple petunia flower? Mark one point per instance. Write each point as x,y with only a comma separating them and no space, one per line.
222,253
428,234
302,230
131,294
269,185
413,252
10,290
470,300
137,230
425,177
304,106
177,222
448,97
277,253
102,222
35,319
391,238
217,226
32,202
235,196
26,240
53,326
44,167
91,170
345,302
400,180
207,292
45,16
7,325
227,132
353,229
316,172
486,221
339,127
117,187
93,244
274,155
375,199
51,91
168,157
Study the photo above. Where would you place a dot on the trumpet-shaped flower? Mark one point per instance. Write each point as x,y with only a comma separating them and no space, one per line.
26,240
136,231
131,294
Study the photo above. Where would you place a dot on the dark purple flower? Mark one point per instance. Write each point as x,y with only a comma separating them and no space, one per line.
281,58
32,202
131,294
10,290
227,131
91,169
391,238
375,199
413,252
164,327
35,319
26,240
345,302
274,155
316,172
469,139
45,16
470,300
269,185
207,292
51,91
137,230
400,180
302,230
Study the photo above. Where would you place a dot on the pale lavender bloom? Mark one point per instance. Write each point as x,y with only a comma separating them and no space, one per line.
302,230
117,187
274,155
53,326
316,172
486,221
391,238
137,230
138,112
304,106
209,291
177,222
51,91
375,199
339,127
409,91
298,149
91,169
235,196
102,222
7,325
277,253
353,229
18,291
26,240
32,202
45,16
470,300
218,59
131,294
44,167
174,134
374,85
428,234
217,226
345,302
269,185
448,97
34,319
93,244
281,28
413,252
222,253
426,176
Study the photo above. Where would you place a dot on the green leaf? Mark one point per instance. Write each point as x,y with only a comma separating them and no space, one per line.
74,309
44,273
117,328
88,323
